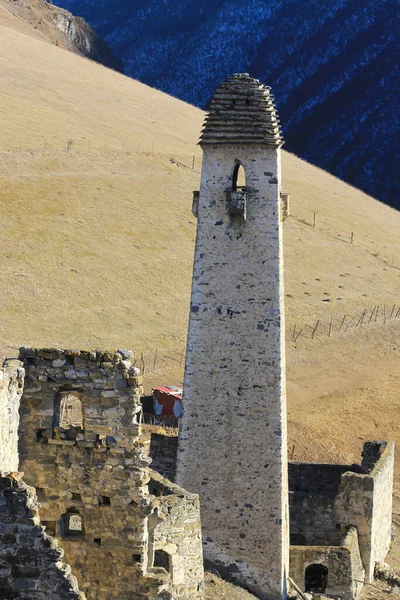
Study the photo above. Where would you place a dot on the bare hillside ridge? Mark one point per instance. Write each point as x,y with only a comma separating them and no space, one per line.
46,21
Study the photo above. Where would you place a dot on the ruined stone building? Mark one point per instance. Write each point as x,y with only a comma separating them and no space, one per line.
82,514
124,531
232,441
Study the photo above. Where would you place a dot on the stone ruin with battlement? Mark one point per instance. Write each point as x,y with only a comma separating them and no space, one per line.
82,513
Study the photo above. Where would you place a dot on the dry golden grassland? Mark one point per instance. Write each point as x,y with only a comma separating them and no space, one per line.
97,237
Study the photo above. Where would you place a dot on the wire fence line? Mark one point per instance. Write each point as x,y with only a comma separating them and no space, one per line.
84,146
350,237
159,361
378,314
118,148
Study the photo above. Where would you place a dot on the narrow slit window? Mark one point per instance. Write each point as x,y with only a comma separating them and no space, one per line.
236,198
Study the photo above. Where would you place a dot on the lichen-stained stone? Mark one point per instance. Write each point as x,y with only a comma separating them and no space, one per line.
80,448
11,386
232,444
31,567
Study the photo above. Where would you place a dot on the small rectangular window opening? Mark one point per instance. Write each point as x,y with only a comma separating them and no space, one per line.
40,435
51,527
137,558
97,541
162,560
104,501
40,494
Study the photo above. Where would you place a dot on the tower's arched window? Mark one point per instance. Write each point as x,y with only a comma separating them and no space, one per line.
316,578
236,198
238,178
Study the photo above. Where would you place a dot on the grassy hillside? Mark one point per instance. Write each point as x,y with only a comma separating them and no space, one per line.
97,242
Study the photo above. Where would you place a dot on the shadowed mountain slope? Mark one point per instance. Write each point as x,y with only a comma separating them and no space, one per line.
333,67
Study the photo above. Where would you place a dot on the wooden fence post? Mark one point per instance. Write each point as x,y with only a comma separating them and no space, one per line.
297,336
360,320
315,329
372,314
155,360
142,364
376,314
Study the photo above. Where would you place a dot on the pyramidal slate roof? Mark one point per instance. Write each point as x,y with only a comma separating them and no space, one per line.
242,111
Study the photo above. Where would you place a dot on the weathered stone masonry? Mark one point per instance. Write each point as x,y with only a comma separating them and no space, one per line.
30,560
79,445
127,532
11,386
232,446
341,517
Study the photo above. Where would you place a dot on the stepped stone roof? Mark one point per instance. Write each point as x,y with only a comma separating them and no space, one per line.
242,111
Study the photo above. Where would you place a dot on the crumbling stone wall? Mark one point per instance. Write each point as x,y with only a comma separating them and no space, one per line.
30,560
178,534
79,445
163,452
11,386
366,502
345,570
313,489
357,568
327,499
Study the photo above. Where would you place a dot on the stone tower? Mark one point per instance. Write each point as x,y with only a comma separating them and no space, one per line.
232,446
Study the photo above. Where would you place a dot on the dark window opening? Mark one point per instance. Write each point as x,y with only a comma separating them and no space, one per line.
77,497
51,527
137,558
154,489
104,501
40,436
297,539
162,560
316,578
40,494
238,178
97,541
71,524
